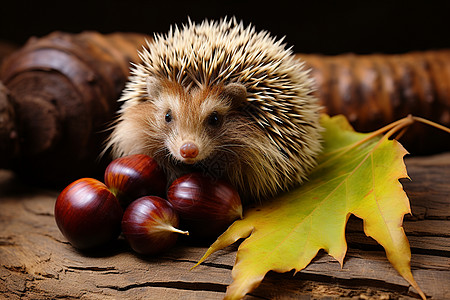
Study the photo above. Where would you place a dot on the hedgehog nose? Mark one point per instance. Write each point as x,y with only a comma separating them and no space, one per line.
189,150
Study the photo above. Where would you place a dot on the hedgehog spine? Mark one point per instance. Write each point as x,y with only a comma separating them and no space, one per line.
279,118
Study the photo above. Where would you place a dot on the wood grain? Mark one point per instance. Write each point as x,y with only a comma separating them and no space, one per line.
36,262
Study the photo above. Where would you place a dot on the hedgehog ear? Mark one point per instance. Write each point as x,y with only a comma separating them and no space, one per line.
236,92
153,87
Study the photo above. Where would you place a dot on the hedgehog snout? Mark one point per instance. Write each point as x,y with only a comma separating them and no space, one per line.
189,150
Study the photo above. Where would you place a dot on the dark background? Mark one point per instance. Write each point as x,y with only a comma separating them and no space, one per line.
328,27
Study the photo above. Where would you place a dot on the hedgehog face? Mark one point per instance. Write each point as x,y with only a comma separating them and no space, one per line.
194,120
191,122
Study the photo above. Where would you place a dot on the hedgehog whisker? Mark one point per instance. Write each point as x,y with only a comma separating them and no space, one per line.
228,150
159,151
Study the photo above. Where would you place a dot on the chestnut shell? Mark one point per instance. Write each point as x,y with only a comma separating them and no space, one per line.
206,206
134,176
149,225
88,214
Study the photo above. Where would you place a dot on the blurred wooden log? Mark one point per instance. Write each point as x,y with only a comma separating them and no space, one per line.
377,89
65,89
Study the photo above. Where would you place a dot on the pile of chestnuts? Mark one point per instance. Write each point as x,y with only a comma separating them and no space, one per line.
132,201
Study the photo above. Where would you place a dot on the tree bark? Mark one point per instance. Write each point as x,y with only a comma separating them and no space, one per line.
377,89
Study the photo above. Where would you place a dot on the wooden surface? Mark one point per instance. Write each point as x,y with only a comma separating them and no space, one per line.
36,262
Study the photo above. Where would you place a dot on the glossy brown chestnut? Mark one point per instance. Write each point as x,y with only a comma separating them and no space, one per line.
134,176
149,225
206,206
88,214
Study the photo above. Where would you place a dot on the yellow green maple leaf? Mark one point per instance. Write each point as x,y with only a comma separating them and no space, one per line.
356,174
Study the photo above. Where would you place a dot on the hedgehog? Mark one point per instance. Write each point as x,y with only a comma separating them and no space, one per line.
225,99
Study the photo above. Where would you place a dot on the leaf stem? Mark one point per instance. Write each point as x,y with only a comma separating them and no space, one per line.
431,123
407,121
401,124
394,127
391,128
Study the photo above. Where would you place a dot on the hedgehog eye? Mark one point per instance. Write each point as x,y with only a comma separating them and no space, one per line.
214,119
168,116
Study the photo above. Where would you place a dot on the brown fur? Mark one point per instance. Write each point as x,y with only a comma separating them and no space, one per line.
232,149
269,132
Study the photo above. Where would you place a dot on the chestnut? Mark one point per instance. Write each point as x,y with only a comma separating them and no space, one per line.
134,176
149,225
88,214
207,206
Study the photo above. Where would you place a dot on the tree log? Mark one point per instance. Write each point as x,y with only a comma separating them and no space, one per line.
377,89
65,89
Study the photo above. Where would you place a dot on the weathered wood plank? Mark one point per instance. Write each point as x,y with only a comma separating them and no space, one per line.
36,262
